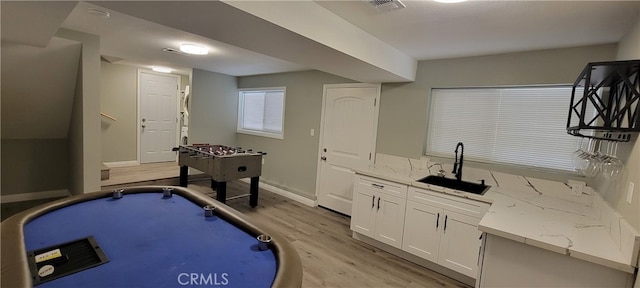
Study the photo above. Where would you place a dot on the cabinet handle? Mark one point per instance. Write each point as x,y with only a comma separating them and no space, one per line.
437,221
445,222
377,186
378,204
373,201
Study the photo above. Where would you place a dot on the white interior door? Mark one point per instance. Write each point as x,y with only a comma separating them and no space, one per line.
347,141
158,116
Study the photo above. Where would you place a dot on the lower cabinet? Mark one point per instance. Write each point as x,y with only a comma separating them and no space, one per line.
460,244
508,263
422,230
436,230
377,213
431,225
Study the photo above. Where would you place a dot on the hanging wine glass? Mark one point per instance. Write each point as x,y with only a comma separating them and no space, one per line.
576,156
612,167
599,155
590,160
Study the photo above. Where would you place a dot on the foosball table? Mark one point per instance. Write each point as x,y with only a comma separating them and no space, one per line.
222,163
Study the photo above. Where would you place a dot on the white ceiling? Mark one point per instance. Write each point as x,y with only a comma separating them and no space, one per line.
423,30
432,30
139,41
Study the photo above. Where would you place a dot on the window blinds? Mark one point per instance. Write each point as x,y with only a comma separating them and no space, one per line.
521,125
261,112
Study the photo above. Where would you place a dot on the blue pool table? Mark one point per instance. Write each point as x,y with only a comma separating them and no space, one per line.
149,239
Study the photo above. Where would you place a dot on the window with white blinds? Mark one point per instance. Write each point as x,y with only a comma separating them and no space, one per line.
521,125
261,112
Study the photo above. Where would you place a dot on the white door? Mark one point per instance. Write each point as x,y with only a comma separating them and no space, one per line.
158,116
347,141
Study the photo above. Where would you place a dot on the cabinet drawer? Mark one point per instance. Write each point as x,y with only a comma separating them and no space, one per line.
387,187
467,207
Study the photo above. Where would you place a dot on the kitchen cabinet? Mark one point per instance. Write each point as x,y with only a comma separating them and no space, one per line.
422,230
379,209
444,229
508,263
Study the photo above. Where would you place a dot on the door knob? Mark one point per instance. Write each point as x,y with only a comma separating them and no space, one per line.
323,158
144,126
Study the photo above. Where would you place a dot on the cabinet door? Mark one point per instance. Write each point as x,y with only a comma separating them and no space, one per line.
423,225
460,243
363,211
390,219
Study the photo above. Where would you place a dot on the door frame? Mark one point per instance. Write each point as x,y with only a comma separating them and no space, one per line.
322,132
139,123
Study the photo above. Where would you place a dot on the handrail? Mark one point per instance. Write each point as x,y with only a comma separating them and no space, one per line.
108,116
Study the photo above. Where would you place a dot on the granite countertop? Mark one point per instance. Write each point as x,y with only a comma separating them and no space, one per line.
537,212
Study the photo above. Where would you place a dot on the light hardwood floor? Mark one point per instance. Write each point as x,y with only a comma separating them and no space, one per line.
330,257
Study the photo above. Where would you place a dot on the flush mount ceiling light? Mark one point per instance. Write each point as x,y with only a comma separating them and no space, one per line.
161,69
194,49
98,13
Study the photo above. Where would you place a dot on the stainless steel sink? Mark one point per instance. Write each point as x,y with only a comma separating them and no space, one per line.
465,186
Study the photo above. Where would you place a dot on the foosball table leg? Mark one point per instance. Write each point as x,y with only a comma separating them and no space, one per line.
253,190
184,175
221,191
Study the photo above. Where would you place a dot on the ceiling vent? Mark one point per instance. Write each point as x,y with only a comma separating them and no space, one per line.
174,51
387,5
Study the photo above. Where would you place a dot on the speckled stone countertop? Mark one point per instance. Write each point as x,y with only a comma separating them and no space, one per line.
537,212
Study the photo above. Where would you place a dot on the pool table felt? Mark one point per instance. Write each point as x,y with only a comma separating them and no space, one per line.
15,270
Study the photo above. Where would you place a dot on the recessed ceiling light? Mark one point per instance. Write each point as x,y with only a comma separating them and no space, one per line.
161,69
98,13
194,49
450,1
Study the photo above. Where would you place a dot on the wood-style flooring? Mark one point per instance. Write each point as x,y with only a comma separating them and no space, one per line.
330,257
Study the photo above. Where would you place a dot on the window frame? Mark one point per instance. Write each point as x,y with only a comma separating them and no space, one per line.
491,163
240,120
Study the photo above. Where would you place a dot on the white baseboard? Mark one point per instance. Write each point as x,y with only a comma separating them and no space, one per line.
285,193
34,196
122,163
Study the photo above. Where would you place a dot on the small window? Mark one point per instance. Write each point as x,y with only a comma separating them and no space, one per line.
517,125
261,112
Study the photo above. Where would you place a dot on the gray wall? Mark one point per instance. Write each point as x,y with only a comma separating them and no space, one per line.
213,108
118,98
34,165
84,129
404,107
629,153
291,162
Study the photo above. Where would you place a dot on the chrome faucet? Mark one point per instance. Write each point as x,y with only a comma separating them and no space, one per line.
457,170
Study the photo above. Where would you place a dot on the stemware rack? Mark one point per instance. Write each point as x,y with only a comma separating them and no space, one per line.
613,90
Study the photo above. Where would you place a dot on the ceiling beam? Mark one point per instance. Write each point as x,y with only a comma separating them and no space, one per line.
353,54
